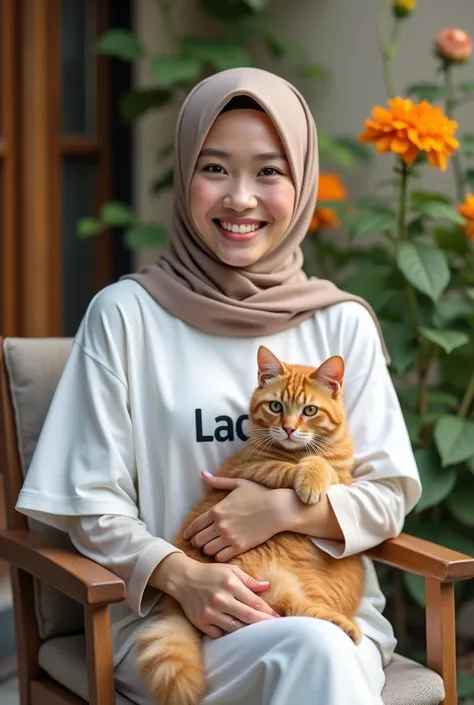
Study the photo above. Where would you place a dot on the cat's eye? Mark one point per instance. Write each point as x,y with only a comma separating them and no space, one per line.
310,410
276,407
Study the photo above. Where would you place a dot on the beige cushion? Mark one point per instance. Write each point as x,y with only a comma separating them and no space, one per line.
64,659
34,367
407,683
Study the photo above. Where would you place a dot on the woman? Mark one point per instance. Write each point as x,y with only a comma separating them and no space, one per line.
154,396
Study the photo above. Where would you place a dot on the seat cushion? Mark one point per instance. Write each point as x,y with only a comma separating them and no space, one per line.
407,683
34,366
64,660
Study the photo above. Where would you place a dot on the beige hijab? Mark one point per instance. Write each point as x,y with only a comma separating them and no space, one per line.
274,293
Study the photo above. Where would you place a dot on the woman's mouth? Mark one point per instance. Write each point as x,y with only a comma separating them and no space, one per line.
239,231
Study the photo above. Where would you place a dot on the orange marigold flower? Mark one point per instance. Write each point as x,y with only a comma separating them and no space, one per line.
406,128
330,188
466,209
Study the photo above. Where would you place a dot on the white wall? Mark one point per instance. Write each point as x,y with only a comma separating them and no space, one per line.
342,34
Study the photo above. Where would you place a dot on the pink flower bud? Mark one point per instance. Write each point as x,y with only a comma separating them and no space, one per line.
453,45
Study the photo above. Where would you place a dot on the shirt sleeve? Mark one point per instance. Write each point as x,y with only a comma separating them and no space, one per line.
84,462
386,481
125,547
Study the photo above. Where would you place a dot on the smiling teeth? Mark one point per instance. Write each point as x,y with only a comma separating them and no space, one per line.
241,229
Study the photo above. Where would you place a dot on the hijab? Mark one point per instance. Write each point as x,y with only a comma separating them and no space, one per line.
274,293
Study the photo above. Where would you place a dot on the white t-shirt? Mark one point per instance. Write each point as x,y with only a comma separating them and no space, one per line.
147,402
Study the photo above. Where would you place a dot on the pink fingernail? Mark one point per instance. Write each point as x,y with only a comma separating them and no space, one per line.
206,474
263,582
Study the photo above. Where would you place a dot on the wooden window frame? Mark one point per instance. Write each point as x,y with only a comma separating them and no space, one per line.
32,152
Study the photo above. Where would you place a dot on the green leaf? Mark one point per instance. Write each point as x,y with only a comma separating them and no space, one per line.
437,482
461,500
120,43
401,345
414,424
423,196
88,227
436,210
371,288
372,223
467,144
466,86
449,340
465,684
330,146
163,182
454,438
469,178
372,203
117,214
135,103
317,71
170,70
425,267
427,91
449,310
144,235
451,240
221,54
360,151
256,5
415,584
470,293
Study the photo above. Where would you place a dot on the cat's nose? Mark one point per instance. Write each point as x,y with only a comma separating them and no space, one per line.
289,430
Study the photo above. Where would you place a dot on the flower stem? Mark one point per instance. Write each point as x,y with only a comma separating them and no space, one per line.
388,46
402,202
467,399
450,104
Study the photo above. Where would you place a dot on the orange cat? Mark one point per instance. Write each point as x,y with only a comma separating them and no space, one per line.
298,439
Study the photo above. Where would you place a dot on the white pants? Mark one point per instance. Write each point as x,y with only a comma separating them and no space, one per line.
281,662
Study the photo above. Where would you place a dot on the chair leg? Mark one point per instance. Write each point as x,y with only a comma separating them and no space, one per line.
26,630
441,635
100,665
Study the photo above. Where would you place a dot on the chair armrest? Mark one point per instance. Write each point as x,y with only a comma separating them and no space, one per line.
424,558
74,575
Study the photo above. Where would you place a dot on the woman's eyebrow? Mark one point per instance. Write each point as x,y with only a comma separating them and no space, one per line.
219,153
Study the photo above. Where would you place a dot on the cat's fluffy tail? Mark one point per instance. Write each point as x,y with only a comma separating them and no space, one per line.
170,660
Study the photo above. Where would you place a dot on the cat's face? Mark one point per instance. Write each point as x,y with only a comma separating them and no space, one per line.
297,407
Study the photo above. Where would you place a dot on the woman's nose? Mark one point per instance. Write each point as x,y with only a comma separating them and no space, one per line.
240,198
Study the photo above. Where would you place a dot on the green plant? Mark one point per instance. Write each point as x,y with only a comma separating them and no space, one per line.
418,274
240,28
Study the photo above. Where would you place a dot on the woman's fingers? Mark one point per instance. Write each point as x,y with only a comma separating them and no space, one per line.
228,623
248,607
204,536
214,546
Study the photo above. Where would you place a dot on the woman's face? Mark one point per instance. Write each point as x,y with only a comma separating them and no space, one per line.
242,193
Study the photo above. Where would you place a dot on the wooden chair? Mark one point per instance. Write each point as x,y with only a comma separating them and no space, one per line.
61,599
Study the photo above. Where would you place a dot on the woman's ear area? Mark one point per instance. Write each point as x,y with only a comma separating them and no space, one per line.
330,374
269,366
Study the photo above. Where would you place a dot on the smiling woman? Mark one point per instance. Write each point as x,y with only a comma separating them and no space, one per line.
242,193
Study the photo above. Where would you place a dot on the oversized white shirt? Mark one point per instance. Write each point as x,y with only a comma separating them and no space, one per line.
146,402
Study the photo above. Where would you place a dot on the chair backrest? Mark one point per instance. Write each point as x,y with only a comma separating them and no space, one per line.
30,369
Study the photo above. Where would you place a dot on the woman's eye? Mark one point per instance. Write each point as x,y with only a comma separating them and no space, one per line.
214,169
276,407
310,410
270,171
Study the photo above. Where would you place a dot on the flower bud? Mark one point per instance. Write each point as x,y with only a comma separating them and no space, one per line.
403,8
453,45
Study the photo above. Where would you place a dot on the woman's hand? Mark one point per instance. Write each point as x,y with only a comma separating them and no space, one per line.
217,599
247,517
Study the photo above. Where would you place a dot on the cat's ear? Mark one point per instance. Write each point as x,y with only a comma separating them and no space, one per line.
269,366
330,374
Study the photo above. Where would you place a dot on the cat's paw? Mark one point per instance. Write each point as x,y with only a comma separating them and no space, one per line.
310,489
